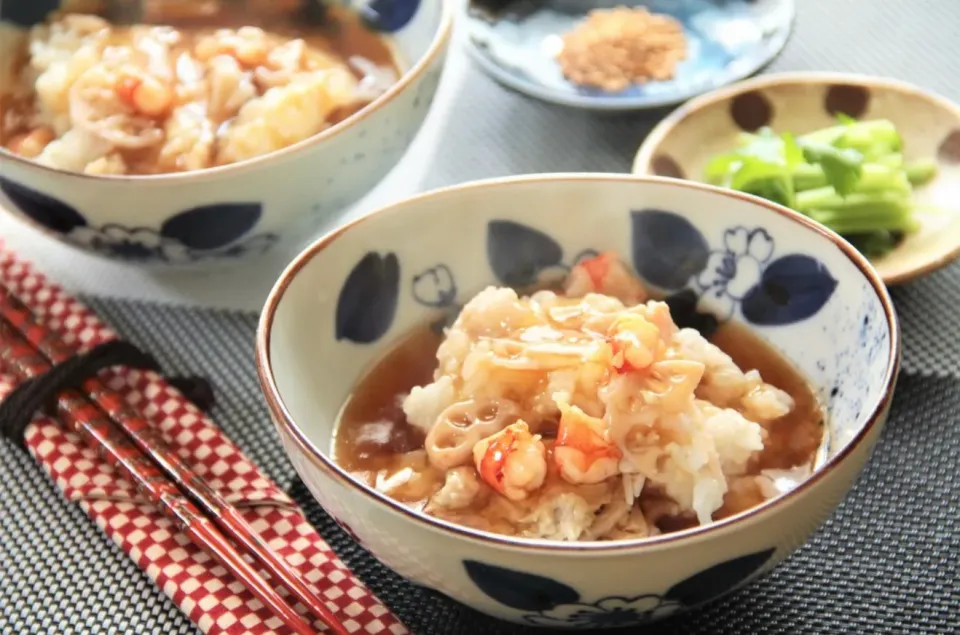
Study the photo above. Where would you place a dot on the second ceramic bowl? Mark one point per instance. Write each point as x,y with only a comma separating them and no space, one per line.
224,215
345,301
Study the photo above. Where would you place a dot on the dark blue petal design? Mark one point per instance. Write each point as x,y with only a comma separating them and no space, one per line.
667,249
445,321
27,12
791,289
389,15
212,226
368,299
519,590
683,310
718,579
46,210
517,253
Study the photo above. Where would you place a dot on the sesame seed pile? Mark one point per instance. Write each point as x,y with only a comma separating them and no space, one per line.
615,48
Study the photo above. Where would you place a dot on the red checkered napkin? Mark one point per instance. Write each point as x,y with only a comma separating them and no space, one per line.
203,590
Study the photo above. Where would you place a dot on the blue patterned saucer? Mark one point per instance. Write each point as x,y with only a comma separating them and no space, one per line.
515,42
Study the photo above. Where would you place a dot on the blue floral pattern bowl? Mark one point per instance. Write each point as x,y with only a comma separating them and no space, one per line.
344,301
235,212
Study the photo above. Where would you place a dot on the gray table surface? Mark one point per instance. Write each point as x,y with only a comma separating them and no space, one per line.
882,574
476,129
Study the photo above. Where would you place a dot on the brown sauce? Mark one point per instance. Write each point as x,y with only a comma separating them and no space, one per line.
372,433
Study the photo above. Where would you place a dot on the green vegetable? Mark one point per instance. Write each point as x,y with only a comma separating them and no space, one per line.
850,177
921,172
874,244
841,167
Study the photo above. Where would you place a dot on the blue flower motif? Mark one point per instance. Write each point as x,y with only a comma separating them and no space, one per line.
132,244
435,287
545,601
610,612
142,244
733,271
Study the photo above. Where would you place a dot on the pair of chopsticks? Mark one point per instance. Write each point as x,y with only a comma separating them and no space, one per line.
130,444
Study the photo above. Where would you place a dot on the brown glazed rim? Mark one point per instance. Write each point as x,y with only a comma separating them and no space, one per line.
287,425
644,157
437,48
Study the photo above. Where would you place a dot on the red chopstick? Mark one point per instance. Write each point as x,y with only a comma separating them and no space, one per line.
225,515
86,419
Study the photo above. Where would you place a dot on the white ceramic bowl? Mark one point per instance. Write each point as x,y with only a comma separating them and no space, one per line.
235,212
342,303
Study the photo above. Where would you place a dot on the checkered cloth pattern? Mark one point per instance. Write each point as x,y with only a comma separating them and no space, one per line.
204,591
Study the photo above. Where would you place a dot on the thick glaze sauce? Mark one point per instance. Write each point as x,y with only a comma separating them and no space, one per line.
373,435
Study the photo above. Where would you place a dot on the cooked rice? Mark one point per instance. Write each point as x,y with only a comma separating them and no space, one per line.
570,406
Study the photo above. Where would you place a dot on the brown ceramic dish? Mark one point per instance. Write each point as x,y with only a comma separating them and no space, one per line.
681,144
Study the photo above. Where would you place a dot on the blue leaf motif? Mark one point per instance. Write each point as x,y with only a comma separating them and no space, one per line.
718,579
41,208
389,15
793,288
212,226
518,253
519,590
367,302
667,249
683,310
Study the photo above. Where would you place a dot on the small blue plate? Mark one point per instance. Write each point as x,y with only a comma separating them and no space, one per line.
516,42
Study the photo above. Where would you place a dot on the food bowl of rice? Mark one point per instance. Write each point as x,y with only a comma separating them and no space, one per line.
577,401
181,134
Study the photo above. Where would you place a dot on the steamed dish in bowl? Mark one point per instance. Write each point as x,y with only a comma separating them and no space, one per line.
663,427
205,134
581,413
87,96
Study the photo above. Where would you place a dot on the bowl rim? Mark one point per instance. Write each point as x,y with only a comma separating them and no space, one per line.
643,158
438,45
287,426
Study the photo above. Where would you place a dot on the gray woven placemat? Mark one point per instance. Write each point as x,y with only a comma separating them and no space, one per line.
887,562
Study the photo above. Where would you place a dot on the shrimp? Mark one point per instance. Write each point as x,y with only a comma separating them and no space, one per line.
513,462
582,452
248,45
144,94
104,102
606,274
636,343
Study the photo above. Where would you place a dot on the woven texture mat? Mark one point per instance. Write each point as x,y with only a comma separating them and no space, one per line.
887,562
